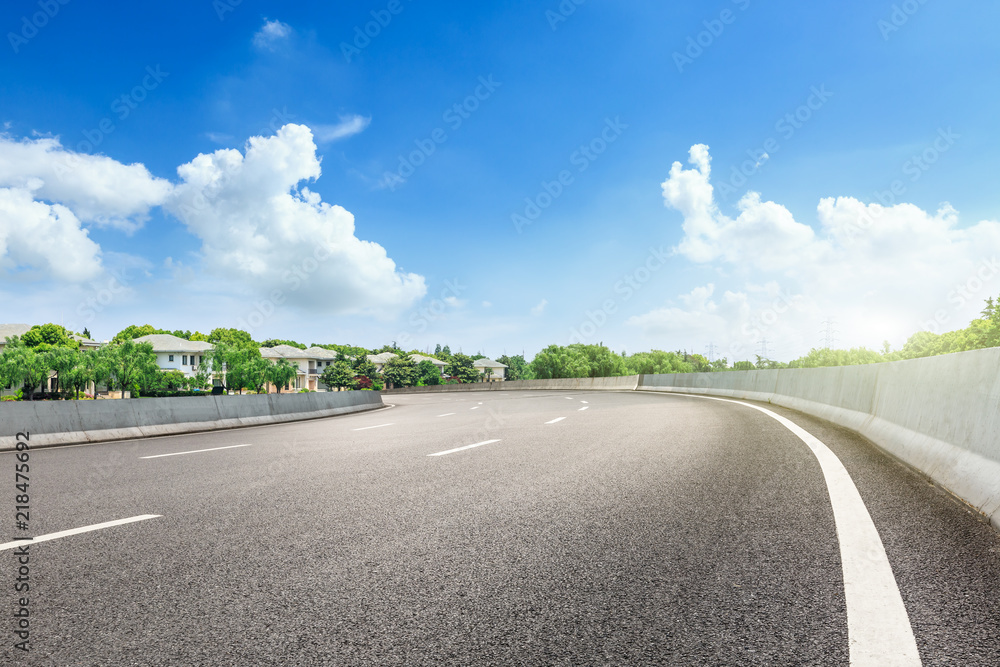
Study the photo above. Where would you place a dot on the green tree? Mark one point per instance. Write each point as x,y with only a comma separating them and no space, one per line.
133,331
427,373
338,374
400,371
461,367
556,361
365,368
238,364
516,366
85,371
86,333
231,337
47,336
129,364
62,360
203,377
437,349
21,365
281,373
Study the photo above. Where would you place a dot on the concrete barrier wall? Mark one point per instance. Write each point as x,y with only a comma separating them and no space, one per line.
69,422
627,383
939,414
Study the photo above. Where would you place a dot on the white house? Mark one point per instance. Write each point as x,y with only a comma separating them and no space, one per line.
11,330
177,354
492,371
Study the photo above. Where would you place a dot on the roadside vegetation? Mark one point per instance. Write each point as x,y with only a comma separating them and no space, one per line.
124,365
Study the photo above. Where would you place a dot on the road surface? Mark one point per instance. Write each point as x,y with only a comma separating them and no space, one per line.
582,528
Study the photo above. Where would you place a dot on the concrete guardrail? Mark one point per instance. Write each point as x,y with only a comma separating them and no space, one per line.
71,422
940,414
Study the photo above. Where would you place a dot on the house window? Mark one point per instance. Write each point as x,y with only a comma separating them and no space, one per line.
170,357
184,362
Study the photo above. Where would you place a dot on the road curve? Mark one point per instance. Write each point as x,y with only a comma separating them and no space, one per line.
514,528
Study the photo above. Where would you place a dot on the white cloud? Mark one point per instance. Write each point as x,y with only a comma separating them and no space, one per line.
487,304
46,237
347,127
259,227
97,189
219,137
881,272
270,34
540,307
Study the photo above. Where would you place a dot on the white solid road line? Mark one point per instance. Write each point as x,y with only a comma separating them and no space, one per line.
76,531
194,451
447,414
878,626
458,449
557,419
365,428
583,408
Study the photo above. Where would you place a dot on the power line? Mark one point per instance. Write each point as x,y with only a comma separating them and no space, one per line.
711,351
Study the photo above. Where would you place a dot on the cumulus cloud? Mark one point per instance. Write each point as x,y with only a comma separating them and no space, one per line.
46,237
881,272
259,225
47,196
347,127
97,189
271,34
539,308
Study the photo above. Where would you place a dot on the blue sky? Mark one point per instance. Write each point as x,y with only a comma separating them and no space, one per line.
628,252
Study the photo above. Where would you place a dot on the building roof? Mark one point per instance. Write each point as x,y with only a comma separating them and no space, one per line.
8,330
321,353
84,342
381,358
487,363
170,343
284,352
417,358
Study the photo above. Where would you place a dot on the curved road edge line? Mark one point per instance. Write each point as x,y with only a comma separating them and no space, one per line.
878,625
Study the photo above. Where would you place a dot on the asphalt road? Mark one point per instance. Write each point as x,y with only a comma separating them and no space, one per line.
637,529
